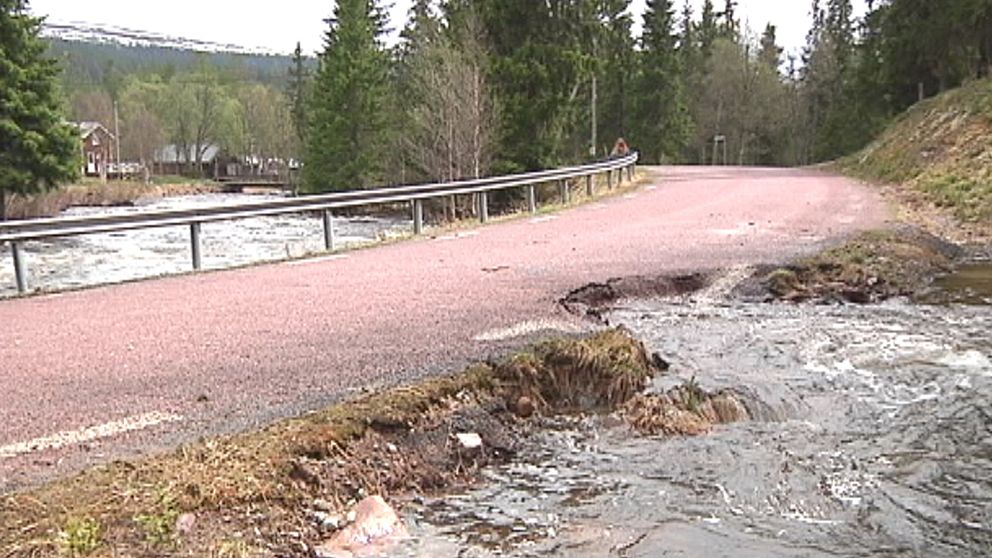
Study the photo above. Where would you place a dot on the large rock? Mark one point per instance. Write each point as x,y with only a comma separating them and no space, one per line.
375,529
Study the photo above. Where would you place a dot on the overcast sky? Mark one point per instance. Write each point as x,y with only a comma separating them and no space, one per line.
278,26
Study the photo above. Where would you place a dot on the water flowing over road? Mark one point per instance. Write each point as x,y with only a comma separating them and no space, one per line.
873,436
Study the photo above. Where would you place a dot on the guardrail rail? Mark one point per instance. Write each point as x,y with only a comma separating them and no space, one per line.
18,232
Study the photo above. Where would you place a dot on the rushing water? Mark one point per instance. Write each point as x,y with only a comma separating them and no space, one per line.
874,438
114,257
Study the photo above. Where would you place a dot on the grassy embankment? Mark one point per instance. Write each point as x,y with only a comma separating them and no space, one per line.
935,164
257,494
940,153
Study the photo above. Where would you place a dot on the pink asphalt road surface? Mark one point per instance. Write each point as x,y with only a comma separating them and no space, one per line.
117,371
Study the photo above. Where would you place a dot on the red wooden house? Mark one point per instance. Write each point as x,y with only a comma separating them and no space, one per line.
97,148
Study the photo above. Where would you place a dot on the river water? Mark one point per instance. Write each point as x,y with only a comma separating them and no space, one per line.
114,257
872,437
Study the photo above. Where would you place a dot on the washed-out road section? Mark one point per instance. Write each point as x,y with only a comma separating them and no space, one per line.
113,372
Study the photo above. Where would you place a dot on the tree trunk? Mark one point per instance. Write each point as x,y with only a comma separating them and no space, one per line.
3,205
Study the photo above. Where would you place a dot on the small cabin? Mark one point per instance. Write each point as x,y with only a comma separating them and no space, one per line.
97,145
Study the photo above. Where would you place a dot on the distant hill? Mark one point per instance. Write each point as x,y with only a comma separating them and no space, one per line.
89,52
941,147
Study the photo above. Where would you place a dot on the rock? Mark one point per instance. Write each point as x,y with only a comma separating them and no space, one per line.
375,529
327,521
469,440
659,362
322,505
185,523
524,407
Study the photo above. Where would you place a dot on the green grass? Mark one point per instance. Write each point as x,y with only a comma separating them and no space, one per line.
79,537
942,149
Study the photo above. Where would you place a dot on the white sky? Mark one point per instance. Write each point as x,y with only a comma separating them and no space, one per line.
279,26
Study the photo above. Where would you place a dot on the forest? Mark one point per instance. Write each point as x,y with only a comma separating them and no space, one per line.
479,87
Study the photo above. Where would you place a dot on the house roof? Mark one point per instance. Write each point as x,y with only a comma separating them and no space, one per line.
171,154
87,128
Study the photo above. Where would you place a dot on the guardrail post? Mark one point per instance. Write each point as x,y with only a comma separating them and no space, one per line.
609,179
20,272
328,230
532,198
589,187
484,206
630,173
563,187
194,235
418,217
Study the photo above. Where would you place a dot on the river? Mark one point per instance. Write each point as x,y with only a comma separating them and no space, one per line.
115,257
872,437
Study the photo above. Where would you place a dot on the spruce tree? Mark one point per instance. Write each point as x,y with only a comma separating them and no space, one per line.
770,54
348,123
661,117
536,64
38,149
299,83
708,29
730,27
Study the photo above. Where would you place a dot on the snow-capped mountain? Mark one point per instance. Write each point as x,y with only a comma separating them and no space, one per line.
109,34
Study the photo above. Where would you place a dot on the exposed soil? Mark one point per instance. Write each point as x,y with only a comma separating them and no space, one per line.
869,268
273,492
592,299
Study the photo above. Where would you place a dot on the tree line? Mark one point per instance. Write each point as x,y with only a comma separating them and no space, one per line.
505,85
478,87
192,111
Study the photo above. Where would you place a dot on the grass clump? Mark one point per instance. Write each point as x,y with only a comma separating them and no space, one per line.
159,526
79,537
602,371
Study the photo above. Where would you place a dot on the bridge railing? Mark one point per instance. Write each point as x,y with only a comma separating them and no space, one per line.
19,232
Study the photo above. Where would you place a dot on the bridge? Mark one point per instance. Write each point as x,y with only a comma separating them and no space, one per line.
109,372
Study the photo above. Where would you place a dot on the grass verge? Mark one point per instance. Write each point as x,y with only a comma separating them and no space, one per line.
254,494
941,151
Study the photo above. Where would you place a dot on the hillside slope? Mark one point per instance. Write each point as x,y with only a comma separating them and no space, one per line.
942,148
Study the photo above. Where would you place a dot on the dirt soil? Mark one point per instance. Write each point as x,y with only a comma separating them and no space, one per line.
872,267
276,491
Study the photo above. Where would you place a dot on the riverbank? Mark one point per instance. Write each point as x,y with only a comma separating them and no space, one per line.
288,488
98,194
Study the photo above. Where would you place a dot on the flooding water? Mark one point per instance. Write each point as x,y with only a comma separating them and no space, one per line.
114,257
972,284
873,438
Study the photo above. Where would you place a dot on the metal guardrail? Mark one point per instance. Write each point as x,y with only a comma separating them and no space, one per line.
18,232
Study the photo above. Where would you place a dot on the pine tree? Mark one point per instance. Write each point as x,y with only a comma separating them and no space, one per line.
347,130
38,150
661,116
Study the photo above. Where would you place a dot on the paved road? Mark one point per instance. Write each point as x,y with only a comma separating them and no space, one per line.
120,370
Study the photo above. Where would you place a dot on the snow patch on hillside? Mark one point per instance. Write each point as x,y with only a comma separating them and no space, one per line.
114,35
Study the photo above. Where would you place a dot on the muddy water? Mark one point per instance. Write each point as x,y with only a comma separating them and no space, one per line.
873,438
114,257
972,284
